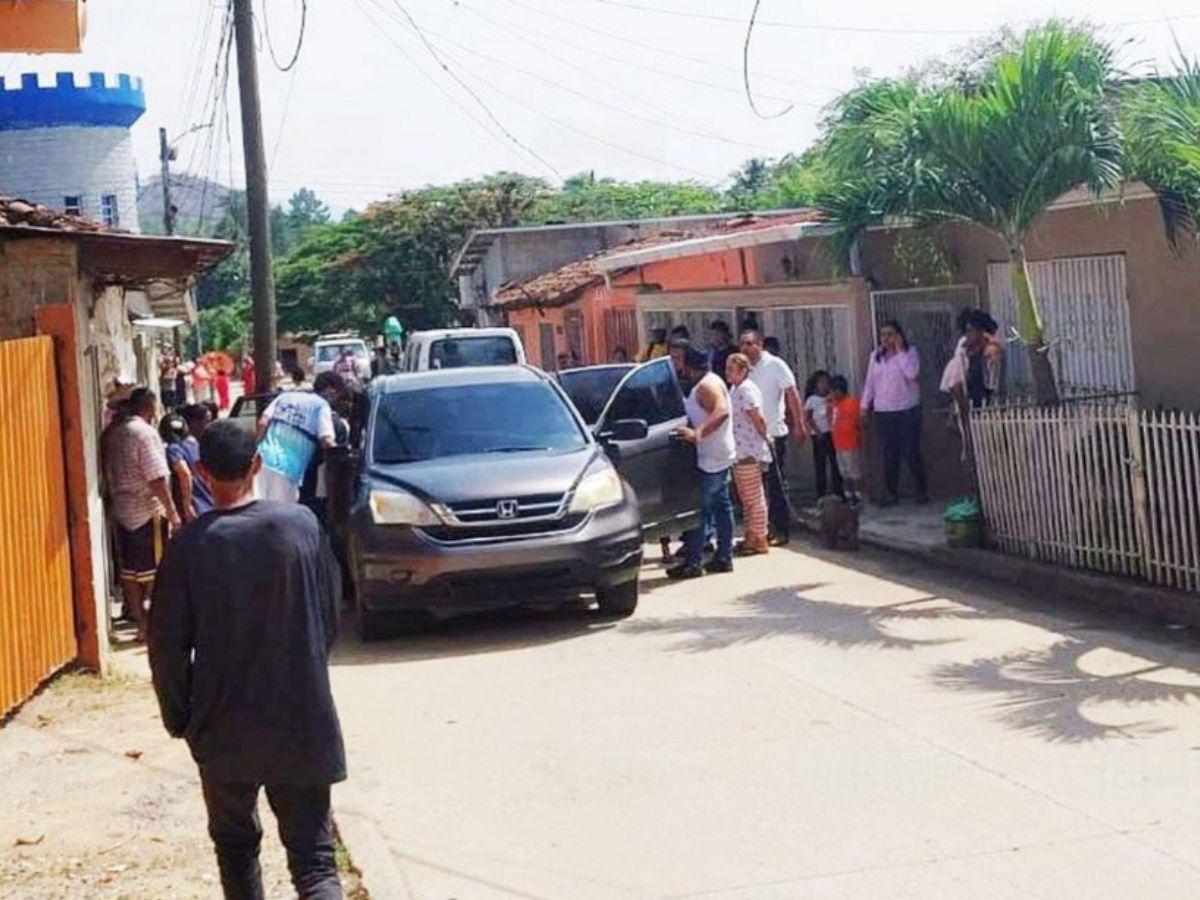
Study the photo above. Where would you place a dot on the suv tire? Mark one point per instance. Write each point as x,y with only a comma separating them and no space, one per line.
618,602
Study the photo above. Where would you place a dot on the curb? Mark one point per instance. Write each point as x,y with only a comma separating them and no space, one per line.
1109,591
378,870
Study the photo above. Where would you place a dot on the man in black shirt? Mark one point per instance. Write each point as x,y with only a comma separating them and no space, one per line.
243,617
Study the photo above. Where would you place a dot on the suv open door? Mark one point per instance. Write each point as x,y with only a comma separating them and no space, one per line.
660,468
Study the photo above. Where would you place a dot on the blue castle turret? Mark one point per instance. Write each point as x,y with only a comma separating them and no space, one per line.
67,144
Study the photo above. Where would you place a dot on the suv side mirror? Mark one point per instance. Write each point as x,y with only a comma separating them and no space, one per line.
628,430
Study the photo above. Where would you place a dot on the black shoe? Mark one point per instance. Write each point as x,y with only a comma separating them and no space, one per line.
779,540
684,571
719,566
889,501
922,499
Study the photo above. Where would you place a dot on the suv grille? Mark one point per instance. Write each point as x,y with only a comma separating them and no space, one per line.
504,511
505,532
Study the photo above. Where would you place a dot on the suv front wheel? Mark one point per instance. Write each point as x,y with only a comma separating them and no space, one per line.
618,602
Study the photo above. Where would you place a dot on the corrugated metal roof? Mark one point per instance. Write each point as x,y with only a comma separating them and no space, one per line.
561,286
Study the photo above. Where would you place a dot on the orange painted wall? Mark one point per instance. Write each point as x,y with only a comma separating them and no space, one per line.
44,26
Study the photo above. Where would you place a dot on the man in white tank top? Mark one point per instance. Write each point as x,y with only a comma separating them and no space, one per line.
711,431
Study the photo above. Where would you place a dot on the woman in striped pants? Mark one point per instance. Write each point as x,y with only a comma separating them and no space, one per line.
753,448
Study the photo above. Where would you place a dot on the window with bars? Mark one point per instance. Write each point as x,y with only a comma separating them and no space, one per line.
73,205
110,213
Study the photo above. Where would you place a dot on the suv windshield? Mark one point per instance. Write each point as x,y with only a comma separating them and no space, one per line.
411,426
457,353
589,389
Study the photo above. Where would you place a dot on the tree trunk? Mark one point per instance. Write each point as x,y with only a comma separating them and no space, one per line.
1029,325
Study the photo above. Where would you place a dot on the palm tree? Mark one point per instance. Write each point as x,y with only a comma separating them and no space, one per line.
1161,124
1038,124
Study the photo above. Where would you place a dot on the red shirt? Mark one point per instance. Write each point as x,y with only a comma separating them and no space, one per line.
844,423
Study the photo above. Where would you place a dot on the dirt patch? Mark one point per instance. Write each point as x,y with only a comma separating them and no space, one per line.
99,802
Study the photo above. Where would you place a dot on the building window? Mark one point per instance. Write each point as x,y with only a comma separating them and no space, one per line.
73,205
110,215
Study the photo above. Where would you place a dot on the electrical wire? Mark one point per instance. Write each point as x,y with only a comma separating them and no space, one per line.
644,45
666,73
685,125
588,98
299,38
470,114
746,70
850,29
474,95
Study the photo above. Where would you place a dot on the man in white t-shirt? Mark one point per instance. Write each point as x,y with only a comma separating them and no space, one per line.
781,401
289,432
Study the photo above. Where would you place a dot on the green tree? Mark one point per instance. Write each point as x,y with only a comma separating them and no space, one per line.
1038,124
585,198
1161,124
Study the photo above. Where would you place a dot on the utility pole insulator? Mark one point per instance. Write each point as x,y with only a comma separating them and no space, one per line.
262,281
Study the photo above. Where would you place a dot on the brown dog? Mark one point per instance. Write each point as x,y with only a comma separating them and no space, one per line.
839,523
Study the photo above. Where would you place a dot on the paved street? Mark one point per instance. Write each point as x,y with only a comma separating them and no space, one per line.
833,727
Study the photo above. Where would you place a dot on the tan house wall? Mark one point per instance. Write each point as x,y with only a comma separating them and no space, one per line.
1163,285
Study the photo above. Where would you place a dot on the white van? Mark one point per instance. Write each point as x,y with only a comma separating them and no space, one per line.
456,348
329,348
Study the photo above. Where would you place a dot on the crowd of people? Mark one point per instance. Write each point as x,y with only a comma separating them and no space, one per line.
745,409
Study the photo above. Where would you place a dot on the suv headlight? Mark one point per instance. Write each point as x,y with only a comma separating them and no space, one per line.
597,490
396,507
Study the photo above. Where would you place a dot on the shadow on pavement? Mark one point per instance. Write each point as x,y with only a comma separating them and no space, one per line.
1102,656
491,632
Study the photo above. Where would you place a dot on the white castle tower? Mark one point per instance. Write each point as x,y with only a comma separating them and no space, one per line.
67,144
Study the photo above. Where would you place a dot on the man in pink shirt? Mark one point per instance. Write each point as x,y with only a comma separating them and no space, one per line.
893,392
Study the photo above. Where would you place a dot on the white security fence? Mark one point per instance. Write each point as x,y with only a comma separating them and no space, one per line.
1085,311
1108,486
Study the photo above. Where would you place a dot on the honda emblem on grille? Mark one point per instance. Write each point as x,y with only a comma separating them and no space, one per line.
507,509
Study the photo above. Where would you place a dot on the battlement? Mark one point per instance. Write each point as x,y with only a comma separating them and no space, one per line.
94,100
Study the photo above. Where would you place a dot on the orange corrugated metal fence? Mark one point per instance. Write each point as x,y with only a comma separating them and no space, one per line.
37,629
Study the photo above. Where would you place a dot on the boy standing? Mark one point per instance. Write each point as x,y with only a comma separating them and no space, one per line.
846,426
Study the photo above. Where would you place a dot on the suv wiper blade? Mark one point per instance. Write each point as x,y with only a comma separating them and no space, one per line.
513,449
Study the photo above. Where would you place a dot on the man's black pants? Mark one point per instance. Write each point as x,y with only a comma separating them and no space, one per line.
305,829
900,435
776,486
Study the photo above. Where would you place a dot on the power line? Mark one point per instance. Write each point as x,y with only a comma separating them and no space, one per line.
466,87
685,124
694,132
851,29
746,69
299,38
666,73
633,42
800,26
470,114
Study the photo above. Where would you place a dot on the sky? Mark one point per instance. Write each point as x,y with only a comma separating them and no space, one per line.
625,88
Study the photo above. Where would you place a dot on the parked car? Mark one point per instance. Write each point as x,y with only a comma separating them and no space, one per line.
456,348
247,409
328,349
484,487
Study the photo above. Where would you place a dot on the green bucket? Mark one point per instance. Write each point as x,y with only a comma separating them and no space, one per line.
964,523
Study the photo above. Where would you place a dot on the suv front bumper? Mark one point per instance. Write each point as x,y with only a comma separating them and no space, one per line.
401,568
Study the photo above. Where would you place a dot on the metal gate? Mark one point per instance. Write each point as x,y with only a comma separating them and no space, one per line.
813,338
620,330
928,317
1085,312
37,625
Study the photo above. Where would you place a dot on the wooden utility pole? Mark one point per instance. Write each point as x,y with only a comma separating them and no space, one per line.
262,281
164,156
